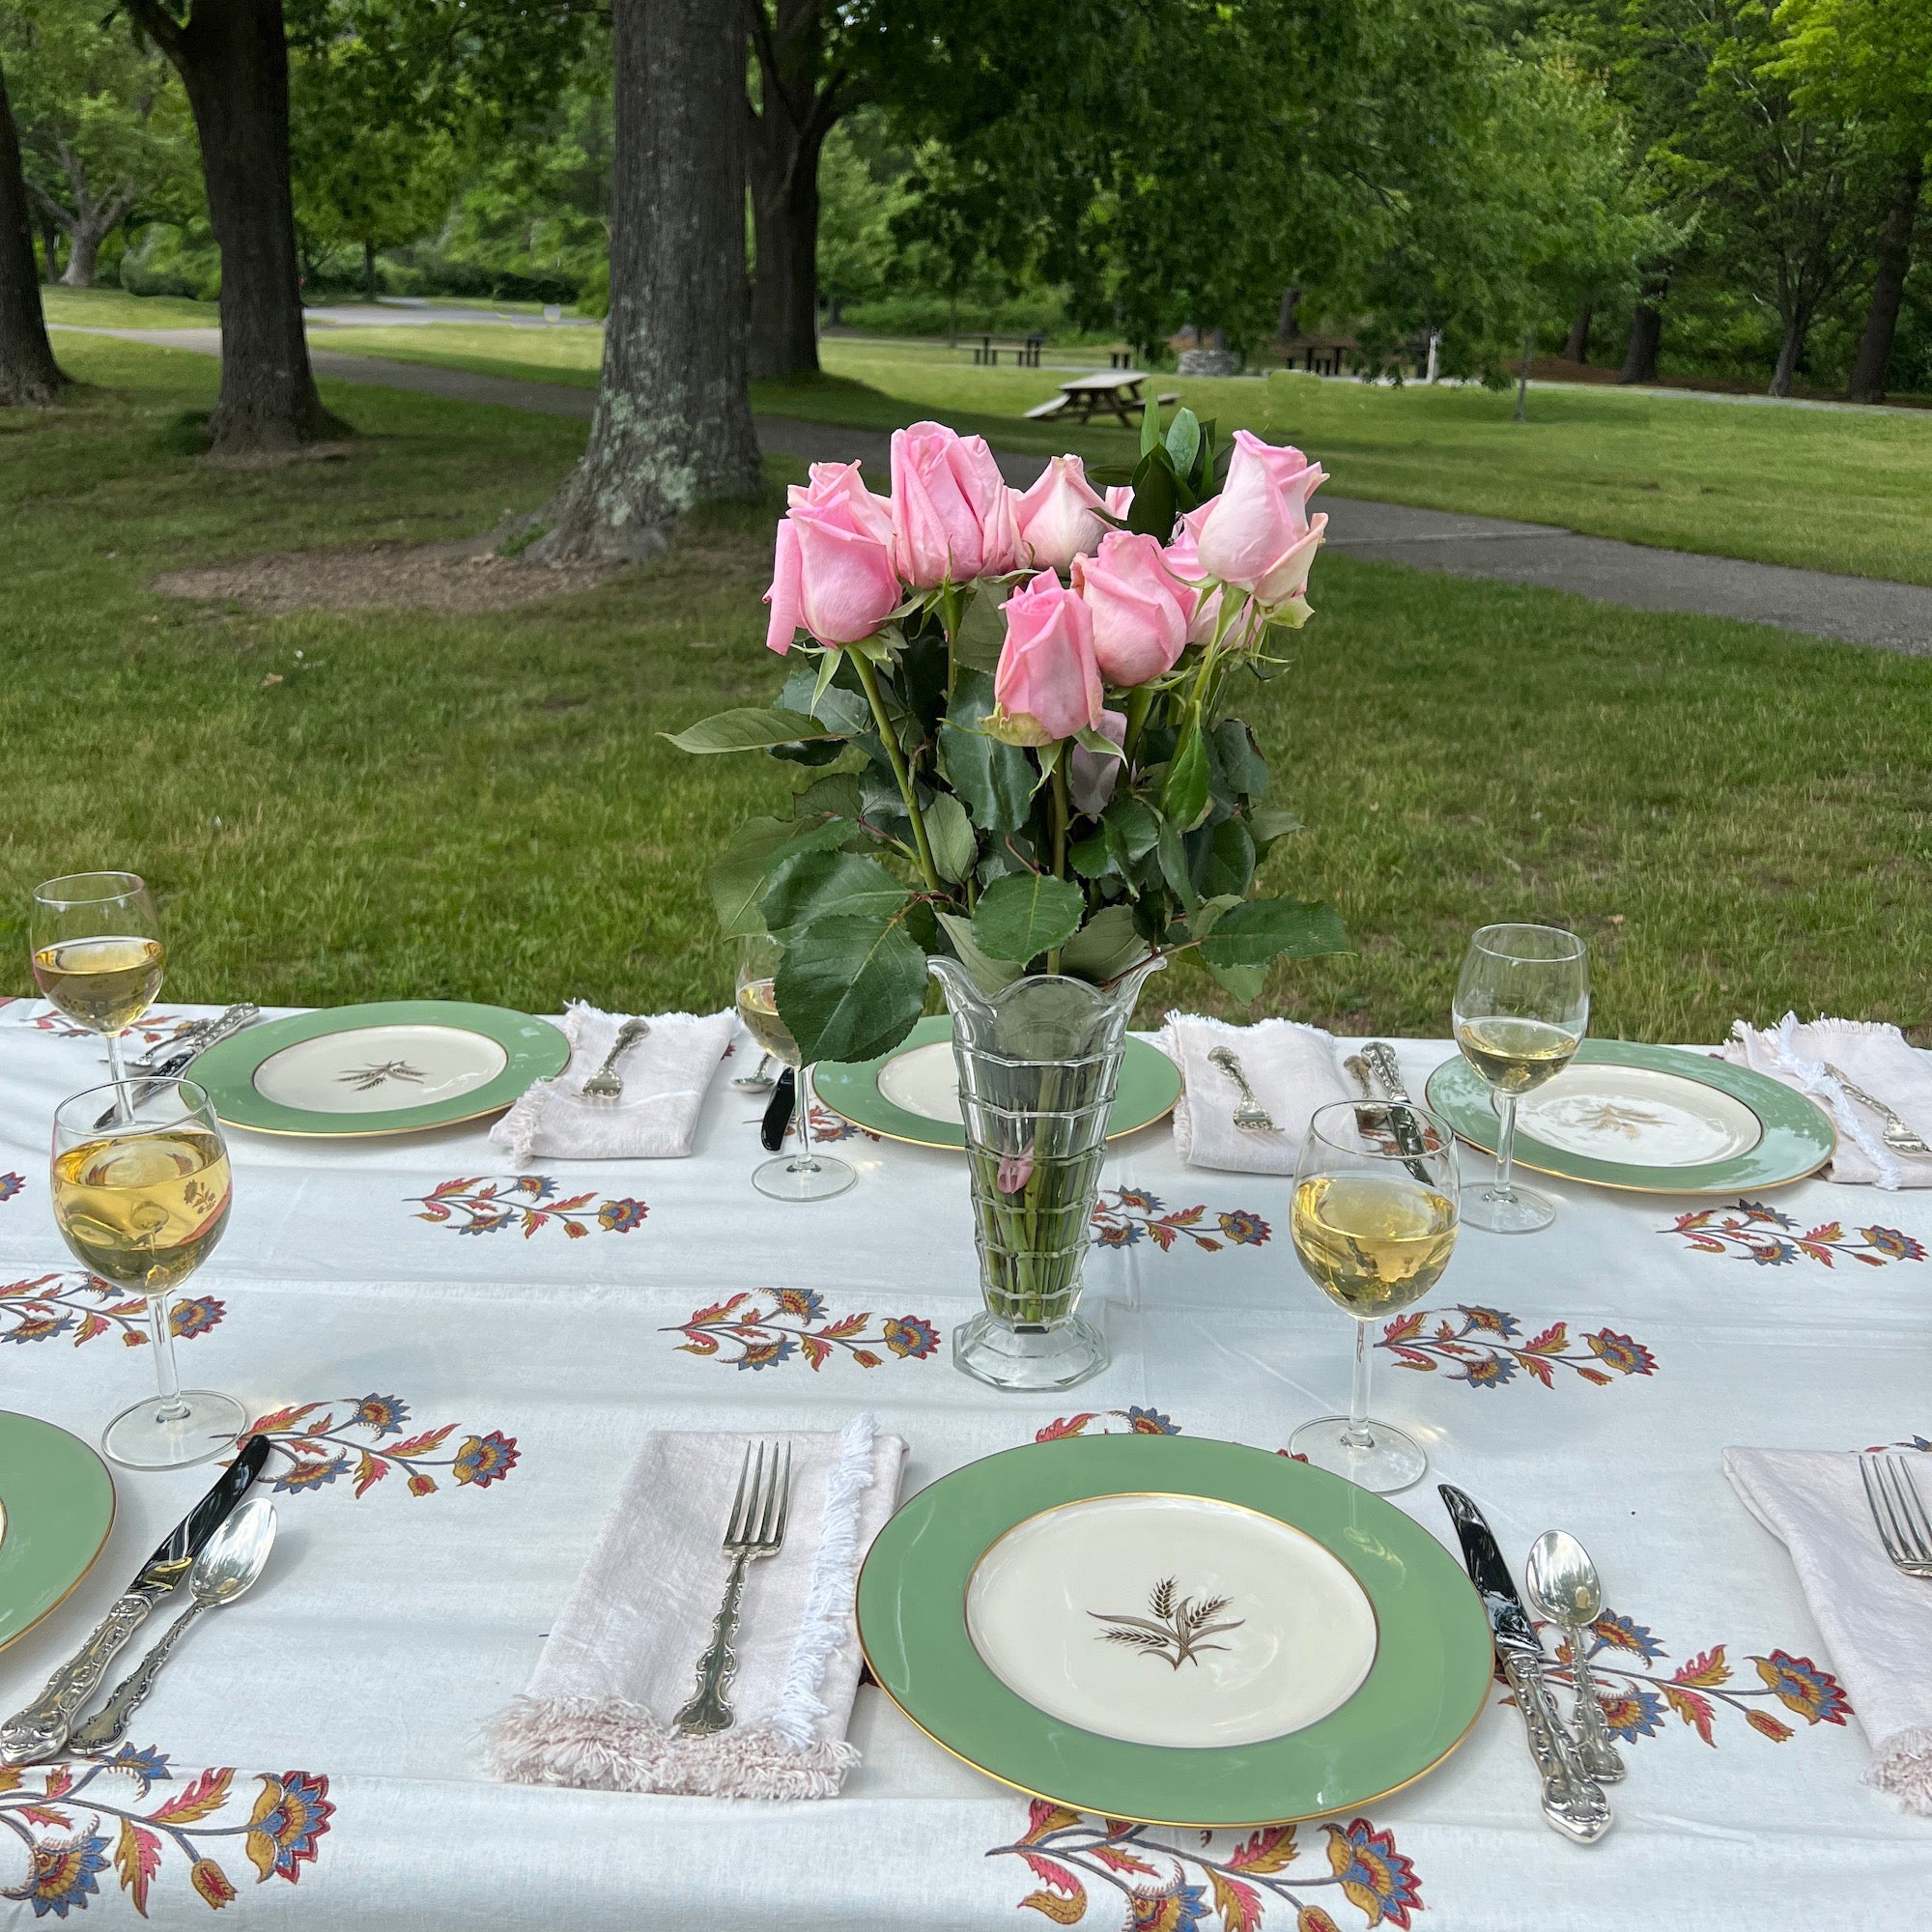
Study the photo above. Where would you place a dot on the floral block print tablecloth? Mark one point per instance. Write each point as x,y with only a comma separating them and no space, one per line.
456,1362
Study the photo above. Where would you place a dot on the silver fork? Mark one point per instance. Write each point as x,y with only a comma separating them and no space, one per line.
1895,1134
1250,1115
604,1084
756,1528
1898,1514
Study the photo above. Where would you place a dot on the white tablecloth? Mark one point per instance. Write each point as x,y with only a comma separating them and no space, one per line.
465,1361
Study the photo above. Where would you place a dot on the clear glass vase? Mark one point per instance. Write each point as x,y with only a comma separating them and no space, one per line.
1038,1064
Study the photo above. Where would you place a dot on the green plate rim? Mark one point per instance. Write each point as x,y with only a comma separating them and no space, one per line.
35,1512
1799,1136
536,1049
1432,1631
850,1088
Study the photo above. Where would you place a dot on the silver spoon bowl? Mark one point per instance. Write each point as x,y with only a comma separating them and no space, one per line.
1565,1589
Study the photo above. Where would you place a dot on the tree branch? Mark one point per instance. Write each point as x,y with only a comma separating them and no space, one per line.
161,26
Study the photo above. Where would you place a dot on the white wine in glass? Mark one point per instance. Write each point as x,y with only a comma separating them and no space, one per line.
142,1203
805,1176
1374,1223
96,952
1522,1007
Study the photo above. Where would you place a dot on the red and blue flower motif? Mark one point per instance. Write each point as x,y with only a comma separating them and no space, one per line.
316,1447
1751,1230
766,1327
1482,1347
52,1306
1126,1216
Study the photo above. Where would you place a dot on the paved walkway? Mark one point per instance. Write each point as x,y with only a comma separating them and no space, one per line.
1858,610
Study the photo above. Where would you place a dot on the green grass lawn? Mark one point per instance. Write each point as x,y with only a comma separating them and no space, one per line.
482,806
1840,491
114,308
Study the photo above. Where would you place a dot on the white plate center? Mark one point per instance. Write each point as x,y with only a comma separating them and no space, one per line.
924,1080
379,1069
1639,1116
1171,1620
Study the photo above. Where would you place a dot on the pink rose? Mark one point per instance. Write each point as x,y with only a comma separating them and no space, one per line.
953,513
1183,557
1256,534
1141,610
1057,516
832,574
1119,498
1048,684
1091,776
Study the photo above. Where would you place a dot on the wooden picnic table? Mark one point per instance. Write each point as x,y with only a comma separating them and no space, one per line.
1114,389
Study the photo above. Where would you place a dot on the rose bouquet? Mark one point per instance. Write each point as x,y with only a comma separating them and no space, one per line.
1015,729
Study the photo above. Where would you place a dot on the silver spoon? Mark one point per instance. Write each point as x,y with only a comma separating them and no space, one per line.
231,1560
1565,1588
758,1080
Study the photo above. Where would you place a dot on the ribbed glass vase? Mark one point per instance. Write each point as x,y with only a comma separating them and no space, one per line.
1038,1064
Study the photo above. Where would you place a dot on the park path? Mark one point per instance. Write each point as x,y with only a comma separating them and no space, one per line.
1856,609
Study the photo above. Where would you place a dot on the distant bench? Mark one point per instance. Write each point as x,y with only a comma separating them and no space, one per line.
1026,350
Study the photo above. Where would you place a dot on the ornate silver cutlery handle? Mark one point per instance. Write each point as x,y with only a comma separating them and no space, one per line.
709,1709
105,1726
1572,1802
42,1727
1595,1750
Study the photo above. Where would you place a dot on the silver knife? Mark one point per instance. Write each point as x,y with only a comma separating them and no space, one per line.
180,1060
1379,1059
41,1728
1573,1802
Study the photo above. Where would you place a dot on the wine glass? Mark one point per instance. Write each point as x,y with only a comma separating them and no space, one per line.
805,1176
1522,1007
1374,1222
141,1201
97,953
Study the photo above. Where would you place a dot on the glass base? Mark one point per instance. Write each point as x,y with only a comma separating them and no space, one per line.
1028,1359
1385,1462
818,1178
1522,1211
142,1437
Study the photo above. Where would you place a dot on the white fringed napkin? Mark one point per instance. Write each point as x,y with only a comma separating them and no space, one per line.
665,1076
622,1656
1876,1623
1877,1058
1291,1068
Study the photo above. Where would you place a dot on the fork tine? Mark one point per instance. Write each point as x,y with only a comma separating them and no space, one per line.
1878,1511
1912,1508
1901,1535
769,1514
741,1528
784,1501
738,1501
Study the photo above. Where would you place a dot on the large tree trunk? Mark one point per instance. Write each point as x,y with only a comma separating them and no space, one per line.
1796,329
673,426
1894,262
784,223
28,371
86,234
234,61
1646,336
1576,348
50,244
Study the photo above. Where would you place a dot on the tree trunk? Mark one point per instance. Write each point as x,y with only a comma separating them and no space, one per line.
1795,330
28,371
369,270
673,426
234,61
1576,348
50,247
1646,339
784,223
84,239
1894,262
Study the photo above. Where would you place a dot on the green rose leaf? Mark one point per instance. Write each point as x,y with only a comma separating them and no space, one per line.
1241,758
1247,937
1225,861
1184,441
976,644
850,989
989,974
1173,865
956,847
757,848
752,730
1185,797
1268,823
995,781
1022,917
811,886
1105,947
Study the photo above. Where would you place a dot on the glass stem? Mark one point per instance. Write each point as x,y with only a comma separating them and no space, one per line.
1506,1148
1357,1435
801,1112
172,1408
119,1075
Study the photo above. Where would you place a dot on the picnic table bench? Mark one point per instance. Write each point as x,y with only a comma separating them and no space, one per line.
1114,389
1026,350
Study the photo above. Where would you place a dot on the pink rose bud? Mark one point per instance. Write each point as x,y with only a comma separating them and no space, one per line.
831,573
1057,516
1091,777
1256,534
953,517
1183,564
1119,498
1048,683
1015,1171
1140,610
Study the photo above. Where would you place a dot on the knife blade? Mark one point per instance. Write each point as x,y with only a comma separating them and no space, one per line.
779,1112
179,1062
40,1729
1573,1802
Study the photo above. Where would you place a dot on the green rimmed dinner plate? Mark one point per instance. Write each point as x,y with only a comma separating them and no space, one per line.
1030,1614
1653,1120
389,1067
912,1093
56,1508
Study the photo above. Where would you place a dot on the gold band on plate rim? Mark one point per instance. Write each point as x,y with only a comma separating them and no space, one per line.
1173,1824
